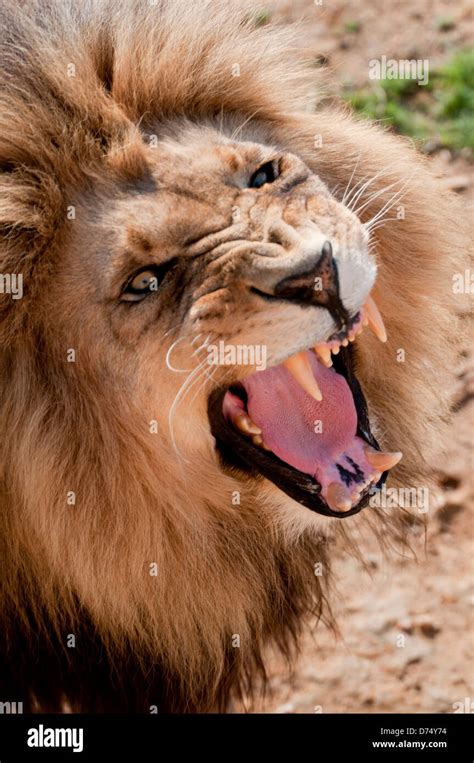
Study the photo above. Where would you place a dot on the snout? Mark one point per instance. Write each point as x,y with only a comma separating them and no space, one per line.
318,286
313,282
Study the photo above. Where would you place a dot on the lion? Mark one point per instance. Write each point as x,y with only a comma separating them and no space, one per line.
226,313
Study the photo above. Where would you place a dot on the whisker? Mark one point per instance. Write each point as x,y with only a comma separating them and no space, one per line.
375,195
389,204
180,395
167,358
241,127
380,223
360,187
204,344
206,377
355,198
343,200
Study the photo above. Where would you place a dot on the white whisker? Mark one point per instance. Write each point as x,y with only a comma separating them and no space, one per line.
241,127
193,376
343,200
168,354
388,205
201,346
355,198
360,186
376,195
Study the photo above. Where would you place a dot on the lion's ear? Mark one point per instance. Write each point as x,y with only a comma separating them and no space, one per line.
32,208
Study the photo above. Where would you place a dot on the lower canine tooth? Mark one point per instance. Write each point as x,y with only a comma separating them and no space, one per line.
382,461
300,368
338,497
324,354
375,321
257,439
245,424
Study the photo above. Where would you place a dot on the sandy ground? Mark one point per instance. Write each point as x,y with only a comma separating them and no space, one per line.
406,636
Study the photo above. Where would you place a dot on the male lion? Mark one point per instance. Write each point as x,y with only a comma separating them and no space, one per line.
183,228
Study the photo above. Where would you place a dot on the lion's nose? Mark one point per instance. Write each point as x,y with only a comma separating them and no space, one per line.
318,282
318,286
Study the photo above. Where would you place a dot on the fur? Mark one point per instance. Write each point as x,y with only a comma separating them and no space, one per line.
84,570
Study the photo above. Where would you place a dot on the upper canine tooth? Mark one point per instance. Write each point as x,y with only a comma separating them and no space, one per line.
381,461
300,368
375,319
324,354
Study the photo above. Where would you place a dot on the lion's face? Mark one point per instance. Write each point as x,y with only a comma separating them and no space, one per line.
202,288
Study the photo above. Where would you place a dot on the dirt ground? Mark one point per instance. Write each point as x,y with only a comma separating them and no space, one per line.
406,635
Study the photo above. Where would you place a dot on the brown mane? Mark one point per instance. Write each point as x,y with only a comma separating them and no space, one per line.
167,640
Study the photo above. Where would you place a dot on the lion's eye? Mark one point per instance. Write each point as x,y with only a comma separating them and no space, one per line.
143,283
267,173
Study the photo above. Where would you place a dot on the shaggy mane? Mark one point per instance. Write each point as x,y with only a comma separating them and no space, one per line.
84,86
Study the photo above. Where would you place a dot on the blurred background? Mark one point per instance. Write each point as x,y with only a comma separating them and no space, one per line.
428,600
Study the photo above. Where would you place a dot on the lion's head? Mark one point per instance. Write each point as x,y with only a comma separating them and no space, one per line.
173,437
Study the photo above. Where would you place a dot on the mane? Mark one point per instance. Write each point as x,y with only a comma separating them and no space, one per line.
85,570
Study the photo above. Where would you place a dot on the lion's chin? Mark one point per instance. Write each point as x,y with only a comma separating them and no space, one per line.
304,425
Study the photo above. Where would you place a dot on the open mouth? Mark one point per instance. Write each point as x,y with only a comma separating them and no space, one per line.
304,425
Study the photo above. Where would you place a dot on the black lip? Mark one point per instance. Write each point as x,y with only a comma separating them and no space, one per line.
237,451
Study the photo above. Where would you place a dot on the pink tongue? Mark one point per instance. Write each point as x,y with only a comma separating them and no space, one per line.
311,436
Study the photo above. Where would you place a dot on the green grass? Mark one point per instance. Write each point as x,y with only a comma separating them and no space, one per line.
442,110
352,27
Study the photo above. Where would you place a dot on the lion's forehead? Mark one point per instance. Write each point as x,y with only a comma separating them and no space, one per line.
186,207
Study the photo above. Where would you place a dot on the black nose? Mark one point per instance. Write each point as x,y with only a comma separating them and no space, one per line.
318,287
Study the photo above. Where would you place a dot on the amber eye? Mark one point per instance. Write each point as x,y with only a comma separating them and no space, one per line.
267,173
141,285
147,281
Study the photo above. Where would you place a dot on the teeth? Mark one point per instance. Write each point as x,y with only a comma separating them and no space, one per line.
324,354
372,315
338,498
243,422
299,367
381,461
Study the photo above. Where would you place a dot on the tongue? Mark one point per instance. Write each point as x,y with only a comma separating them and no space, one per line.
317,438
